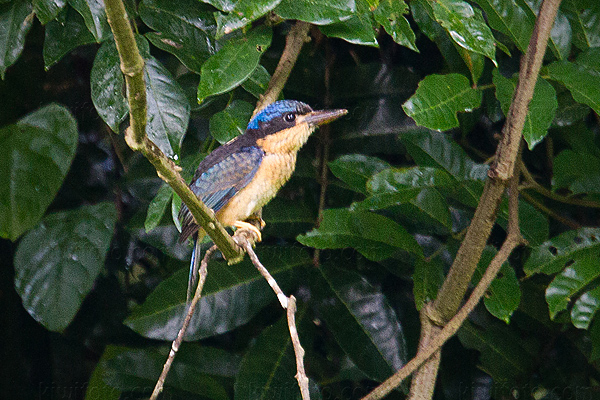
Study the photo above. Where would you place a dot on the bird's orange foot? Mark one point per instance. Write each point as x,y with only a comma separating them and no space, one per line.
246,225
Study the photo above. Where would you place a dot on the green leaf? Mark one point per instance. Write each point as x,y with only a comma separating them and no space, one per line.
578,274
438,99
234,63
466,26
231,122
357,30
361,320
168,108
96,388
560,36
356,169
232,295
533,223
552,256
509,18
157,207
184,28
94,16
393,186
504,354
373,235
504,294
436,150
257,82
583,16
140,368
288,218
107,86
579,172
243,12
36,154
47,10
390,14
318,12
267,370
542,107
63,34
580,81
15,20
57,262
427,278
585,308
434,205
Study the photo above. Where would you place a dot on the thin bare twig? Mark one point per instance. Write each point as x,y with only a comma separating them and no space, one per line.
158,388
294,41
513,240
288,303
452,292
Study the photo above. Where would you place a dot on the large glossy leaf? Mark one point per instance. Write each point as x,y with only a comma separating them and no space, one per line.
318,12
390,14
288,218
583,16
560,36
234,63
585,308
106,83
508,17
231,122
168,108
184,28
242,13
373,235
15,21
553,255
36,154
94,15
532,222
577,274
57,262
139,368
361,320
268,368
582,81
232,295
579,172
504,295
157,207
427,278
466,26
356,169
393,186
542,107
504,355
47,10
357,29
439,98
434,149
97,388
64,34
257,82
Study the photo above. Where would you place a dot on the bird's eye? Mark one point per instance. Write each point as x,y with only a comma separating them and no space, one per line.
289,117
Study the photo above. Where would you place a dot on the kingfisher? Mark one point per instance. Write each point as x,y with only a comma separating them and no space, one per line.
238,178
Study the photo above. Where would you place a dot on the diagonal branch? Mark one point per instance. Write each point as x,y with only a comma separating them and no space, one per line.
513,240
132,66
451,295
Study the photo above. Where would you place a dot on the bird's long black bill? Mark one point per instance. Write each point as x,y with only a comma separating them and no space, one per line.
322,117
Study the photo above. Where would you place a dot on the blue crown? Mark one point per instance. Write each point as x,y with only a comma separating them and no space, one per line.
277,109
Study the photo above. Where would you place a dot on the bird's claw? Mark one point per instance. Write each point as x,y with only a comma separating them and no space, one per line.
250,227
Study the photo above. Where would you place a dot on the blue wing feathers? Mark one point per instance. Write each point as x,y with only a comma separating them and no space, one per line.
218,180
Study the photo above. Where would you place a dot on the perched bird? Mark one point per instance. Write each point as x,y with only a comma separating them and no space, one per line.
240,177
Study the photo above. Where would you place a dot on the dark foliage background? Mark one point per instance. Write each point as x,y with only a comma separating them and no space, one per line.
93,280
